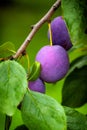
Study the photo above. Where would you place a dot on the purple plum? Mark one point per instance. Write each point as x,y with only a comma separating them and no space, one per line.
37,85
54,63
60,35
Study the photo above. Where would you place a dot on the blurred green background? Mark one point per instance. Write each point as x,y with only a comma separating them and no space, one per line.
16,18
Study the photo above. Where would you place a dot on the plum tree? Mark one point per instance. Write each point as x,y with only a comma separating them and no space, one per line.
54,63
37,85
60,35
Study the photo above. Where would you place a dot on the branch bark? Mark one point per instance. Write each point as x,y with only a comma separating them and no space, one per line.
36,27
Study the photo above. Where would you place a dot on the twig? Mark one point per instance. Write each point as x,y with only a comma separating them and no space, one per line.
36,27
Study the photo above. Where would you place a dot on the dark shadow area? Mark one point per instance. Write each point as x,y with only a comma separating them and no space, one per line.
86,31
6,3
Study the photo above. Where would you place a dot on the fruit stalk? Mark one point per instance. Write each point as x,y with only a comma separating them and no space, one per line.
50,31
36,27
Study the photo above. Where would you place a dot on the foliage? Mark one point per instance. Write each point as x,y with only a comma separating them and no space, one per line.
76,84
43,110
7,49
75,120
76,17
13,86
34,71
40,111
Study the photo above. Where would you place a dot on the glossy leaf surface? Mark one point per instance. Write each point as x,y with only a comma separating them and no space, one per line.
13,86
42,112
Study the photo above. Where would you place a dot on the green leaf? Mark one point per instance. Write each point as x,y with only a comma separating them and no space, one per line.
2,121
78,63
34,71
7,49
74,92
75,15
41,112
75,120
16,120
13,86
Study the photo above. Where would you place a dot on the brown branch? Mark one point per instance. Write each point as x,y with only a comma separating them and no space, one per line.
36,27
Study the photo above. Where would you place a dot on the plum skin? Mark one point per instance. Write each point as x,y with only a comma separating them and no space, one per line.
37,85
54,63
60,35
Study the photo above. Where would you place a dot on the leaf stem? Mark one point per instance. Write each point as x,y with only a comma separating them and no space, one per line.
28,61
8,122
36,27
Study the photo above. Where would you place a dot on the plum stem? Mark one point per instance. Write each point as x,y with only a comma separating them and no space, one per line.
27,56
50,32
36,27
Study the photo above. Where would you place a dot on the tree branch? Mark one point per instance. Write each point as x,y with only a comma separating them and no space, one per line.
36,27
